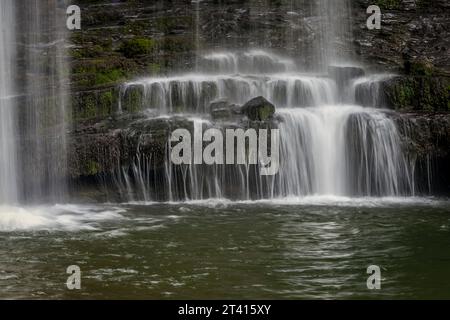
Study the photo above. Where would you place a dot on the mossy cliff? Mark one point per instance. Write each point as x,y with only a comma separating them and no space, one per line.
124,40
412,43
419,94
421,88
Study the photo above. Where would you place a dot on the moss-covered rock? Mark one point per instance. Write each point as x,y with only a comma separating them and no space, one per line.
419,93
92,168
132,98
137,47
93,73
259,109
94,104
419,68
173,24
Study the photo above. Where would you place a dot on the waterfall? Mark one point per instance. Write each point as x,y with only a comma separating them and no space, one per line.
336,139
43,136
249,62
334,43
328,147
194,93
8,174
343,150
367,91
197,31
33,101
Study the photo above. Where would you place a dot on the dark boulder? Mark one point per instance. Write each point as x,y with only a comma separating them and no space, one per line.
259,109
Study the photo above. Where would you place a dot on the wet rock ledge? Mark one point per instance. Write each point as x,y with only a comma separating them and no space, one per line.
100,149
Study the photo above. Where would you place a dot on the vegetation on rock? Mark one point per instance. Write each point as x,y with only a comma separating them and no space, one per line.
137,47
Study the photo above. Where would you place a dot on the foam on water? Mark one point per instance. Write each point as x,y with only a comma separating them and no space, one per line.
75,218
342,201
67,217
302,201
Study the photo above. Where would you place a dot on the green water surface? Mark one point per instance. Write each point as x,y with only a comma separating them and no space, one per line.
259,250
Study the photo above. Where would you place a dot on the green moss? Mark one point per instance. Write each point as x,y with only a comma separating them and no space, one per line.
93,104
420,93
154,68
448,97
92,168
99,72
266,112
389,4
105,103
137,47
84,106
403,95
109,76
424,3
137,28
92,51
167,24
176,44
133,99
259,109
89,105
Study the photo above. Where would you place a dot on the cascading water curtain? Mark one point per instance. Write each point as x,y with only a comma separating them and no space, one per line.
334,43
8,169
327,147
41,35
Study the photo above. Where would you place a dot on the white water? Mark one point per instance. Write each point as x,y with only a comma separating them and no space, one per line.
235,77
366,91
247,62
331,152
32,116
32,110
56,217
193,93
315,200
8,179
342,150
327,148
334,38
43,131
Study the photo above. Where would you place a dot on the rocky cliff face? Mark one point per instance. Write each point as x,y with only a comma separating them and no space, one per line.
426,138
122,40
109,156
412,31
413,42
126,39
